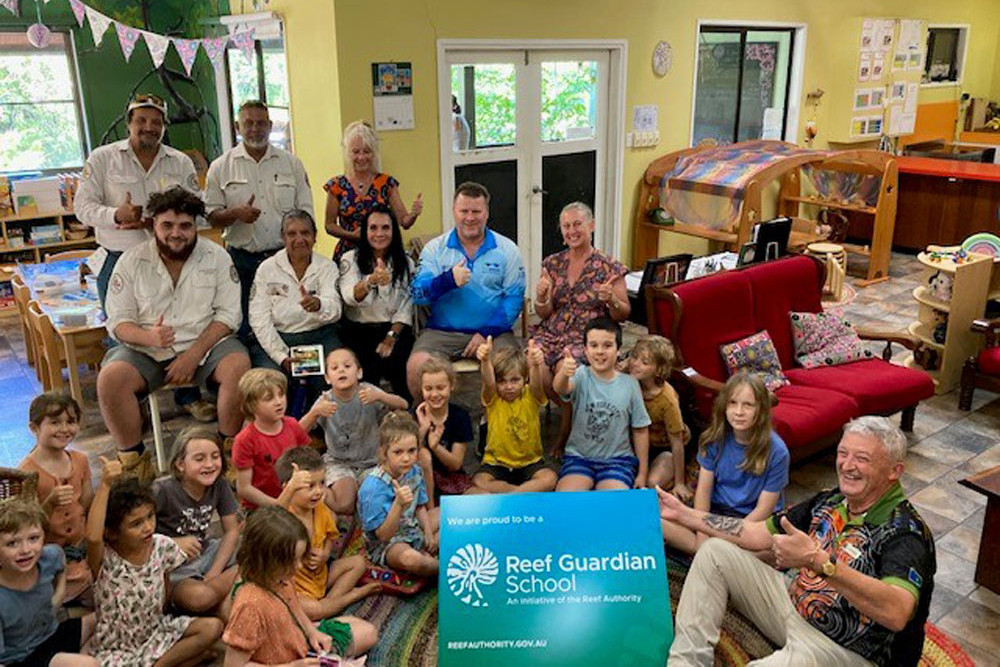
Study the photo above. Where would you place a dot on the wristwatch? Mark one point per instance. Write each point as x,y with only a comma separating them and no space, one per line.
392,334
828,569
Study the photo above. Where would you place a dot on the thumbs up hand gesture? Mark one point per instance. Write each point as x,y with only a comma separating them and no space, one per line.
543,287
485,350
417,208
461,273
111,469
535,355
247,213
794,548
309,302
128,215
605,294
300,479
569,364
161,335
381,276
404,494
324,407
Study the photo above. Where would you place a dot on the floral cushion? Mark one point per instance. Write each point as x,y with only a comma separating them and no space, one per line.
755,354
822,339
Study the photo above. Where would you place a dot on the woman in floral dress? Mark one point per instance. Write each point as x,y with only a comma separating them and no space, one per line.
576,285
352,196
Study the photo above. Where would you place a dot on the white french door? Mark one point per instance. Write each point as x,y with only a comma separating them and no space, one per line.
532,127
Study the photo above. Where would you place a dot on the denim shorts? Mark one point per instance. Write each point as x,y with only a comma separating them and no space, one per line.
619,468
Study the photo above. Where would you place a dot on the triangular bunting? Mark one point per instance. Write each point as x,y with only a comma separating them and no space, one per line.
98,24
157,45
79,11
187,49
214,48
12,6
244,42
127,37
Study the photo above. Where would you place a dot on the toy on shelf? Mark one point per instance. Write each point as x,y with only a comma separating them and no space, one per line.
939,284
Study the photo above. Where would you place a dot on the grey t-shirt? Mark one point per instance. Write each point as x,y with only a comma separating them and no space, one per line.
178,514
26,617
604,411
351,433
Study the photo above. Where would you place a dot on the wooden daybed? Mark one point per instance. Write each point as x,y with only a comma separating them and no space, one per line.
735,178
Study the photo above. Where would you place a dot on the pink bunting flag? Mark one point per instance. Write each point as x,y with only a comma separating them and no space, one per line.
215,47
127,37
98,24
12,6
157,45
187,49
79,11
244,42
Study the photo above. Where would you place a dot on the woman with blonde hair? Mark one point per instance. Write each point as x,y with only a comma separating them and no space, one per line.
361,189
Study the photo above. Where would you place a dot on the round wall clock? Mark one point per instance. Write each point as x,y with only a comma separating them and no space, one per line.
662,58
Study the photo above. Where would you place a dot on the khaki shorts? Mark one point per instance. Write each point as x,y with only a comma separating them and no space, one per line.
155,372
338,471
451,344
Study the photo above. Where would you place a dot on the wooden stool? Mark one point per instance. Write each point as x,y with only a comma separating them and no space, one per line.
836,266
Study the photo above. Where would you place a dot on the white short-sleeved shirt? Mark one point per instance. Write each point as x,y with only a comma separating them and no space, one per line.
111,172
389,303
278,183
141,290
275,300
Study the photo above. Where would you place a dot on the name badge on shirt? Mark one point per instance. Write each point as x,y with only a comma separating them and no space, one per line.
852,551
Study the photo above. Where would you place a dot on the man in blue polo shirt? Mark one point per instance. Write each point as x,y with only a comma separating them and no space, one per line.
473,281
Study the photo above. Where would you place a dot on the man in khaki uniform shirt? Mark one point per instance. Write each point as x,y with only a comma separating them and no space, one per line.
249,189
119,177
172,303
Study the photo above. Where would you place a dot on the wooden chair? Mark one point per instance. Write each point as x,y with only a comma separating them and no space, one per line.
983,370
69,254
22,295
16,483
51,353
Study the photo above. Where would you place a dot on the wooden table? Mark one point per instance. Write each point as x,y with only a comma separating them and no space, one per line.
988,564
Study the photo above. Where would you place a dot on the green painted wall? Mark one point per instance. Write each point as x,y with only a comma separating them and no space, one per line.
106,80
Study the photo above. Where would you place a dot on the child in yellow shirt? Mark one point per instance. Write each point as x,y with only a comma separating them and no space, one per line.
513,457
323,590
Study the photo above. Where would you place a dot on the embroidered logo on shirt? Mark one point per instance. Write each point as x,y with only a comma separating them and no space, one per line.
234,274
914,578
117,284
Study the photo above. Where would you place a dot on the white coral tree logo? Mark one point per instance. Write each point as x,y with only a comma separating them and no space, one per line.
469,569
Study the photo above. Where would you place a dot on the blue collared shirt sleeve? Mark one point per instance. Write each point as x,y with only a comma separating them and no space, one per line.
431,280
514,284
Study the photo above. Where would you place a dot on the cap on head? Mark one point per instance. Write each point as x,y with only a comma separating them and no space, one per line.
147,101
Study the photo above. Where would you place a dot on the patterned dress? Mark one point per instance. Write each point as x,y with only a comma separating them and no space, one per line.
132,630
573,305
354,207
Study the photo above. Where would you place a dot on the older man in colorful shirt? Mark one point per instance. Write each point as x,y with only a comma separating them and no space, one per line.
473,280
864,558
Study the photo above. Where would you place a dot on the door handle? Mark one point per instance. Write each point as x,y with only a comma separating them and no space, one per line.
537,190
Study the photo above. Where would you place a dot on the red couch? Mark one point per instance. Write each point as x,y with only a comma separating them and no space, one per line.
701,315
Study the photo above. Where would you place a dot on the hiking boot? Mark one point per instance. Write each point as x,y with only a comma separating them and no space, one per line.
137,465
202,410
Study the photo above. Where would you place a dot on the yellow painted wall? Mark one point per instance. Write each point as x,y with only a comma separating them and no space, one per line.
407,30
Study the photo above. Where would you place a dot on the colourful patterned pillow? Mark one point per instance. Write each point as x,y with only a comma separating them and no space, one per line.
755,354
822,339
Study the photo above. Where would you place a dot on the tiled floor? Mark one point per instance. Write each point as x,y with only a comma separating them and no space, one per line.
946,445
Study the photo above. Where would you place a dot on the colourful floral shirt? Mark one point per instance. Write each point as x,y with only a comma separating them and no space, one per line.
354,207
573,304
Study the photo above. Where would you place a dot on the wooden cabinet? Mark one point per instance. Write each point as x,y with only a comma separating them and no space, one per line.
951,296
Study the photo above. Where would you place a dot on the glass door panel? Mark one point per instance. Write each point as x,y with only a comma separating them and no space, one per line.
765,84
569,100
484,105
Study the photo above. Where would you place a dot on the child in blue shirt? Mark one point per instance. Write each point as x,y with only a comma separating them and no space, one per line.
32,584
400,531
607,410
744,463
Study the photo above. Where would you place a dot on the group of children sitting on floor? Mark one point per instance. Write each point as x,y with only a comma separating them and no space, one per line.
271,588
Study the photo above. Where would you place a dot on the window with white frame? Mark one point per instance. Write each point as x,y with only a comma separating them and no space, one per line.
945,55
40,120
